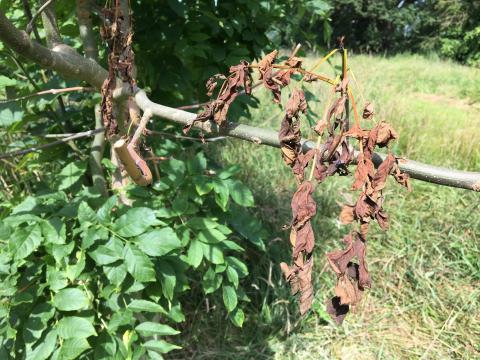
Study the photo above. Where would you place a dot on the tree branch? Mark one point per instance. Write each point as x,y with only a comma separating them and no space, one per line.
432,174
49,20
54,143
62,58
98,144
48,92
31,24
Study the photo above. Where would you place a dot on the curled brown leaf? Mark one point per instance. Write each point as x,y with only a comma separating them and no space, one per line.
368,111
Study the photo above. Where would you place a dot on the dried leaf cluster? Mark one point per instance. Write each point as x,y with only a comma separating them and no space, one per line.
118,37
332,156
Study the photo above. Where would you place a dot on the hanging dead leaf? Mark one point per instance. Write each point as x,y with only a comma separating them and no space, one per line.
347,214
368,111
385,134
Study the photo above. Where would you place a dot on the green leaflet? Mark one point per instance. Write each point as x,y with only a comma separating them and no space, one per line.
158,242
75,327
24,241
71,299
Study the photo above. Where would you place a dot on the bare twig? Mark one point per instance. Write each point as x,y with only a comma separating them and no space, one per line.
147,115
49,92
37,14
54,143
162,133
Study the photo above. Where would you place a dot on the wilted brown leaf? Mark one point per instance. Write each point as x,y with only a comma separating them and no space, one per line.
301,162
212,83
267,62
368,111
347,214
385,134
336,310
296,103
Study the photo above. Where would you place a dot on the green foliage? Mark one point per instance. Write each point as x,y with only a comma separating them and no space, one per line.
196,39
82,275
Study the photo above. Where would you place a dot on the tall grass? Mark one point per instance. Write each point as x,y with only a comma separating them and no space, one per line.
426,269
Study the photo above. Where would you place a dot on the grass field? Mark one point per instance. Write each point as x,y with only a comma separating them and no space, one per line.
425,299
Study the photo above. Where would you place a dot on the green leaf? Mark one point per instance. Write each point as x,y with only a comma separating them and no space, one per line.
247,225
74,271
229,172
24,241
86,216
104,255
104,213
229,297
197,165
60,252
5,81
37,322
44,349
10,114
75,327
238,317
238,265
240,193
168,279
71,299
138,305
120,318
56,279
211,281
200,223
203,185
135,222
213,253
70,174
211,236
232,276
54,231
138,264
232,246
152,328
106,347
158,242
195,253
160,346
72,348
115,273
221,193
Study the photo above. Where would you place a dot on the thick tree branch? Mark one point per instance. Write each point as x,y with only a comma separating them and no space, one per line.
86,29
62,58
417,170
49,20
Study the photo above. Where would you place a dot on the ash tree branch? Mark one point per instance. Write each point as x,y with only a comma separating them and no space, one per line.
54,143
48,92
31,24
98,144
69,63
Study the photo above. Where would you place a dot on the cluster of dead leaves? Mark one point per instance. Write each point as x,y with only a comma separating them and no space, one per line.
239,78
353,278
302,238
216,110
118,38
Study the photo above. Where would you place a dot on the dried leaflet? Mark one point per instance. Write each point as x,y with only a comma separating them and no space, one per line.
289,134
217,110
